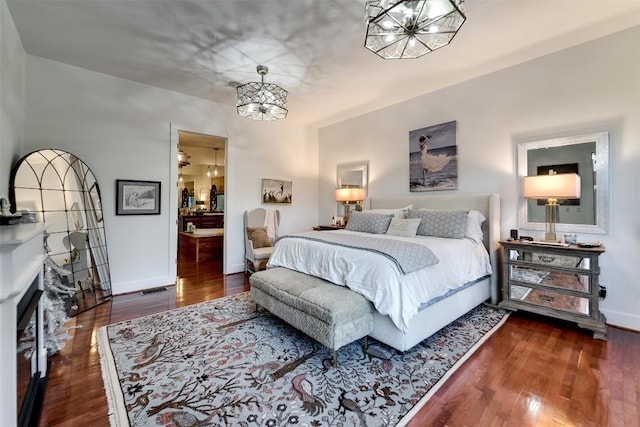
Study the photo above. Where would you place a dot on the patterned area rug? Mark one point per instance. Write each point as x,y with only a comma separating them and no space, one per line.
221,363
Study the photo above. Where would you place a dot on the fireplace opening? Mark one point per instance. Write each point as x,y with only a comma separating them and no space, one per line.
31,382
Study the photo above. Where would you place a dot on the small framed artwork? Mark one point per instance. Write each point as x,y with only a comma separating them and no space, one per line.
137,197
276,191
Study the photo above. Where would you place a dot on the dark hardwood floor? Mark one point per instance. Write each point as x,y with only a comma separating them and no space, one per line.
532,372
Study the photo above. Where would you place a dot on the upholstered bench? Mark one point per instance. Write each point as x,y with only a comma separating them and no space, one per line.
332,315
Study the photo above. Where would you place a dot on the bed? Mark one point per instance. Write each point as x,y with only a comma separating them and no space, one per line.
404,327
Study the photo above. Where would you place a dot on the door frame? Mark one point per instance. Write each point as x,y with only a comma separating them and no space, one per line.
174,140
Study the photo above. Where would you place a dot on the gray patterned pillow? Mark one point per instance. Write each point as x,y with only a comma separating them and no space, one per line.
368,223
449,224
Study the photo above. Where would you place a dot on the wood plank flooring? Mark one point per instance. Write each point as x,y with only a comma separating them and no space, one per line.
532,372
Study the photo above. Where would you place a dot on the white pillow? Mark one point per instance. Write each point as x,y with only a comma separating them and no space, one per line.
403,227
474,226
399,213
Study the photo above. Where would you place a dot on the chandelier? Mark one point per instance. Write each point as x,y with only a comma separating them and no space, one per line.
398,29
183,159
260,100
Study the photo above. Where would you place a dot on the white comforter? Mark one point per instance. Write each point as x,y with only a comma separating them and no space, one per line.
378,279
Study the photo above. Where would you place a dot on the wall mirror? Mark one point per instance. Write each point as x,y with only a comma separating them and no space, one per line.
59,189
352,174
588,156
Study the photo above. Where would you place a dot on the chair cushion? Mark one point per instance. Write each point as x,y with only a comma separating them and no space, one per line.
259,237
262,253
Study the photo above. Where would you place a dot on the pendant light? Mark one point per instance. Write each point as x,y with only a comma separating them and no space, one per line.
215,168
183,158
260,100
398,29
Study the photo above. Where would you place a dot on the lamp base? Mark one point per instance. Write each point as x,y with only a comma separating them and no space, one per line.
347,210
552,214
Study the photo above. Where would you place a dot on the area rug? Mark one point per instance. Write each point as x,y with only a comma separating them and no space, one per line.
221,363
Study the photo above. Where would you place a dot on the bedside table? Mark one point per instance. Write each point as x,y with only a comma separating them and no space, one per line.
328,227
556,281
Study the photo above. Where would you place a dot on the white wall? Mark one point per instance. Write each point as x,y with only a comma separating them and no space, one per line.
589,88
12,66
122,130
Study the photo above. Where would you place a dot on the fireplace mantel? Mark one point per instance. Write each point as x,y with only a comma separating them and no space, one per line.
21,260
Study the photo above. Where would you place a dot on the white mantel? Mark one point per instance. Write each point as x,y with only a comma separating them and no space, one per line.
21,259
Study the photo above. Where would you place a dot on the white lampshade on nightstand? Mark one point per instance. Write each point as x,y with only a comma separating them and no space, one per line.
349,195
551,188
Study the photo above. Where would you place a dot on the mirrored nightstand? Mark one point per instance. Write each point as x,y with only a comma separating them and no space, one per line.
556,281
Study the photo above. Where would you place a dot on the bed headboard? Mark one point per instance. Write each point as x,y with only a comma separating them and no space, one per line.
487,203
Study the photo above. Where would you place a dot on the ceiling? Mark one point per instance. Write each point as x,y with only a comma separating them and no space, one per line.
202,149
313,48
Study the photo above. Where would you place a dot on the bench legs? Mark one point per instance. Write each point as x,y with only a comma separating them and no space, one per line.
335,352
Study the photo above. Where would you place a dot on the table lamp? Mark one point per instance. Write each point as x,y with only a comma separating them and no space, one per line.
552,187
348,195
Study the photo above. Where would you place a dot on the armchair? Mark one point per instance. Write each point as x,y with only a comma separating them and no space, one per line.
256,257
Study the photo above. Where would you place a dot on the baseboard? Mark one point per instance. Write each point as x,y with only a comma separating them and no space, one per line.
622,320
235,268
138,285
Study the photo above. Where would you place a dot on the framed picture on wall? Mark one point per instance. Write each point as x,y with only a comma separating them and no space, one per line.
276,191
137,197
433,158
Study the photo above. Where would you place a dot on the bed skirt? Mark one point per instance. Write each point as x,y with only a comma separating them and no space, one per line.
432,318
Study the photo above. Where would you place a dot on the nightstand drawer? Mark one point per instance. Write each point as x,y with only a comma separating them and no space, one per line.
548,299
533,256
552,278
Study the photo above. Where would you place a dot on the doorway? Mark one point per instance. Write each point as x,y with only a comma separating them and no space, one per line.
201,203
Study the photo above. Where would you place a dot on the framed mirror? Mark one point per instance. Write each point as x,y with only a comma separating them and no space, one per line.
353,174
58,189
350,175
588,156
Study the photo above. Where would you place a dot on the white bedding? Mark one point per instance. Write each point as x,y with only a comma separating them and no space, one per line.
378,279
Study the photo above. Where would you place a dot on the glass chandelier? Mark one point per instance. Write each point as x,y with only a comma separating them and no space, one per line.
398,29
183,159
260,100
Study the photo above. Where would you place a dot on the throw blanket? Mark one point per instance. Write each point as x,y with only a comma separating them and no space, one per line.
408,257
271,222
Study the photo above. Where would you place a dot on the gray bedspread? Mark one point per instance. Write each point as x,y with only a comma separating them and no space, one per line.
407,256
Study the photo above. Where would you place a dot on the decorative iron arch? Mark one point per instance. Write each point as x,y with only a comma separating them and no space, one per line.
59,189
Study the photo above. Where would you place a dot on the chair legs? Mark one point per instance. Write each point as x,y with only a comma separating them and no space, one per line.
251,267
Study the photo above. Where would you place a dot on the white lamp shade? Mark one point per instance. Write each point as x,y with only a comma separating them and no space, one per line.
559,186
349,194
